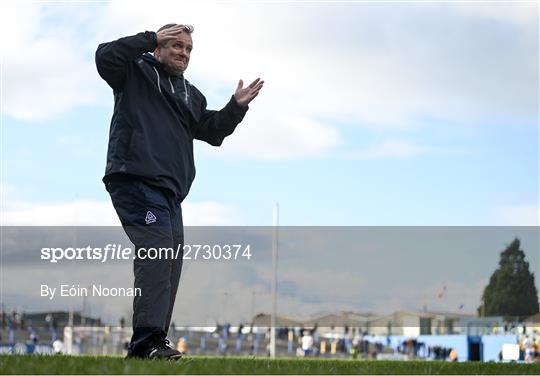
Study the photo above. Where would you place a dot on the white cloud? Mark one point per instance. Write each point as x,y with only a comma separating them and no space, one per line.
521,15
44,73
406,297
518,215
212,214
26,293
323,284
7,189
313,280
73,213
228,293
399,148
70,140
423,61
218,292
274,137
102,213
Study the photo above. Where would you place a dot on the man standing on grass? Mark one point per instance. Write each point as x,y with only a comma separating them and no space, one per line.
150,167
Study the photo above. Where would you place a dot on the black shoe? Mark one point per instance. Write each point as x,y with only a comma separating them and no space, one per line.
161,348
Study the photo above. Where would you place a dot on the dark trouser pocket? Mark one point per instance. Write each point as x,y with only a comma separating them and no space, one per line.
152,220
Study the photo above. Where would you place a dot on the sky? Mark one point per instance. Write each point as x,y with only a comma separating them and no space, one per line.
372,114
378,270
394,113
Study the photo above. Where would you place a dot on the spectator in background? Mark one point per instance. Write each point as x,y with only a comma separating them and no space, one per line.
528,348
181,346
34,338
453,355
307,344
58,346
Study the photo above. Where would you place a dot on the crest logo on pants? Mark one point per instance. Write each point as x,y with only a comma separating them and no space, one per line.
150,217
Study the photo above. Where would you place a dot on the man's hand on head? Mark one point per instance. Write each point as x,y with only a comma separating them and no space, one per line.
169,34
245,95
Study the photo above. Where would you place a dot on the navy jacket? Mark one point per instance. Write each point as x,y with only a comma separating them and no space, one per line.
156,116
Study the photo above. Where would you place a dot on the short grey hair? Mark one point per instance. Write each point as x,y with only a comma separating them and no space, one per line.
187,28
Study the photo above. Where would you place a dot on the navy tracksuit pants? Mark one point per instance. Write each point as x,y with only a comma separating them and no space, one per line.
152,218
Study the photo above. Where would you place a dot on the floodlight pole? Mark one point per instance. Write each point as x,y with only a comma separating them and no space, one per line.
274,282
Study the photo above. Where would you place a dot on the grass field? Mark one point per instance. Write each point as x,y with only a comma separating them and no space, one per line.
35,364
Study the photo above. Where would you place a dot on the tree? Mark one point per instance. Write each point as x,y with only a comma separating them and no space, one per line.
511,291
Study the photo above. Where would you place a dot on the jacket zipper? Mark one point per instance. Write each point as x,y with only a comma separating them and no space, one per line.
158,85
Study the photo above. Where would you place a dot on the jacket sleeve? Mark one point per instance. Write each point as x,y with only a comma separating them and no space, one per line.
214,126
112,58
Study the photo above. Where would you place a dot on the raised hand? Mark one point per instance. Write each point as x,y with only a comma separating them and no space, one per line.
168,34
245,95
